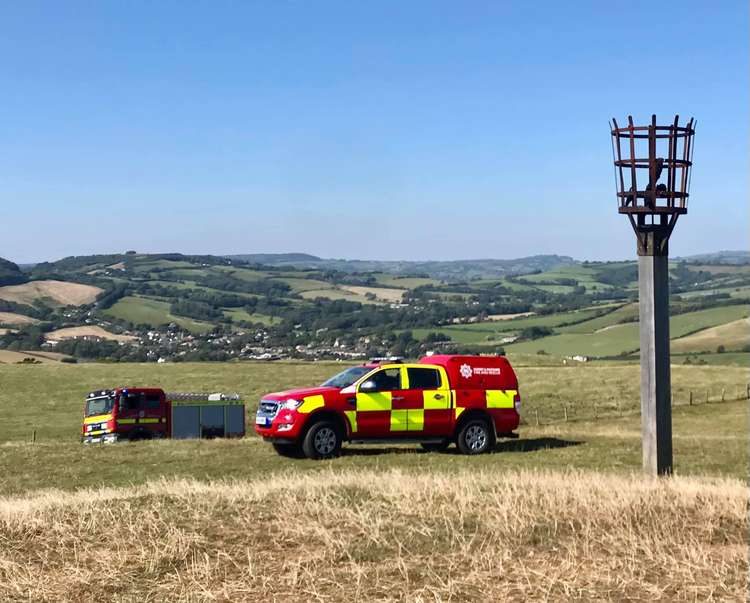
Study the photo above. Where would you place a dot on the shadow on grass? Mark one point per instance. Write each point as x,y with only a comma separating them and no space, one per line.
534,444
526,445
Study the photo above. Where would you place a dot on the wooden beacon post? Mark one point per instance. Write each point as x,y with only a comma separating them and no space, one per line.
652,172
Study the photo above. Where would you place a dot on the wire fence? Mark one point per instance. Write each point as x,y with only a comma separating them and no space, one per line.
567,412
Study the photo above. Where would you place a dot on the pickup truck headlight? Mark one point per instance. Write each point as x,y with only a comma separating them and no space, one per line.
291,404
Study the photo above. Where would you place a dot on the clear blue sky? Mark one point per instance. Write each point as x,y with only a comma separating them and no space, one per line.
388,130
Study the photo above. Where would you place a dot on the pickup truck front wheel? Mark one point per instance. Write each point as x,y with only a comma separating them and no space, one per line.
322,441
475,437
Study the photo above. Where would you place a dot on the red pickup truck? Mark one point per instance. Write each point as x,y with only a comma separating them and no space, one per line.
469,400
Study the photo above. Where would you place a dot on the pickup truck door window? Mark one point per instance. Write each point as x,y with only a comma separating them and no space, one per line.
374,405
428,400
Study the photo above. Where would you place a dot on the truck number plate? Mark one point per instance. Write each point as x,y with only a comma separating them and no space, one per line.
264,421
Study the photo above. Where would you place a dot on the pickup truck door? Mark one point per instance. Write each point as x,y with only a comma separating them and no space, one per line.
428,401
375,401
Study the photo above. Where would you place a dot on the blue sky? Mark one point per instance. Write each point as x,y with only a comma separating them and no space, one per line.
386,130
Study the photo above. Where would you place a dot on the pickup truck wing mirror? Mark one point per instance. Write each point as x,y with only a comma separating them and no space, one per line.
368,386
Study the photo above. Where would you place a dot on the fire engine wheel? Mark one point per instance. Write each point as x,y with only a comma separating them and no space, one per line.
475,437
322,441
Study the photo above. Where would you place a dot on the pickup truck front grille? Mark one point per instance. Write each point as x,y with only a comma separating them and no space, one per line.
268,408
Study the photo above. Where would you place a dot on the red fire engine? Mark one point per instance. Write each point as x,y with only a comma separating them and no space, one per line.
138,413
469,400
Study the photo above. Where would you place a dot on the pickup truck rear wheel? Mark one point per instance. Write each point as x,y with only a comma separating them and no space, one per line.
475,437
322,440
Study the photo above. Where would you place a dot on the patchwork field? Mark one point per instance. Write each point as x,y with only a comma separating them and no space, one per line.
64,293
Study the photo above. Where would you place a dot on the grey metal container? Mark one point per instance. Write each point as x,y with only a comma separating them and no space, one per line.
197,416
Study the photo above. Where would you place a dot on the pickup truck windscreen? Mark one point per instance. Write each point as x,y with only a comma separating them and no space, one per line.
347,377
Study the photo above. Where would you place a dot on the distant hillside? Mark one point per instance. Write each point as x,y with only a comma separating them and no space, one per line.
444,270
719,257
10,274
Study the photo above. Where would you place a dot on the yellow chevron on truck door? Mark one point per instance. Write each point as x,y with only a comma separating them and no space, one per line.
374,401
436,399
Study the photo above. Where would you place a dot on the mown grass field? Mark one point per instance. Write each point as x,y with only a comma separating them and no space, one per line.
559,514
144,310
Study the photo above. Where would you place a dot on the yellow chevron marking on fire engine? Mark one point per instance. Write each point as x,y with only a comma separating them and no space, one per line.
126,421
376,401
399,420
497,398
352,416
436,400
459,411
415,420
96,419
310,403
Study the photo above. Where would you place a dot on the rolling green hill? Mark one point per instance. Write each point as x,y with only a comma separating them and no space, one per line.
297,305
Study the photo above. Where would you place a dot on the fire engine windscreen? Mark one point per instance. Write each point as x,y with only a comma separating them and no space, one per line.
347,377
99,406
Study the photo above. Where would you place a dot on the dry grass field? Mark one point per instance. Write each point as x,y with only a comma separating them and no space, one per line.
67,294
89,331
8,357
381,293
381,536
11,318
732,335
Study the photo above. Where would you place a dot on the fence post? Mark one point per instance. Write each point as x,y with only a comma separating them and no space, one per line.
747,394
723,392
536,416
690,402
33,436
565,412
706,396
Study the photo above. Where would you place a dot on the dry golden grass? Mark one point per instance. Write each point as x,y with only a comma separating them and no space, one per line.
385,536
11,318
8,357
88,331
381,293
68,294
732,335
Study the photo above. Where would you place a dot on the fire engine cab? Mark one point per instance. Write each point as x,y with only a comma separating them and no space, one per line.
144,413
441,399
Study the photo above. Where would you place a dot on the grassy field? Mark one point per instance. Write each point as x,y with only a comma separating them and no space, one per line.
56,391
559,514
152,312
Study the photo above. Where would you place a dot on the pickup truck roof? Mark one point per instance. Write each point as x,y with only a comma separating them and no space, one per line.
476,372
